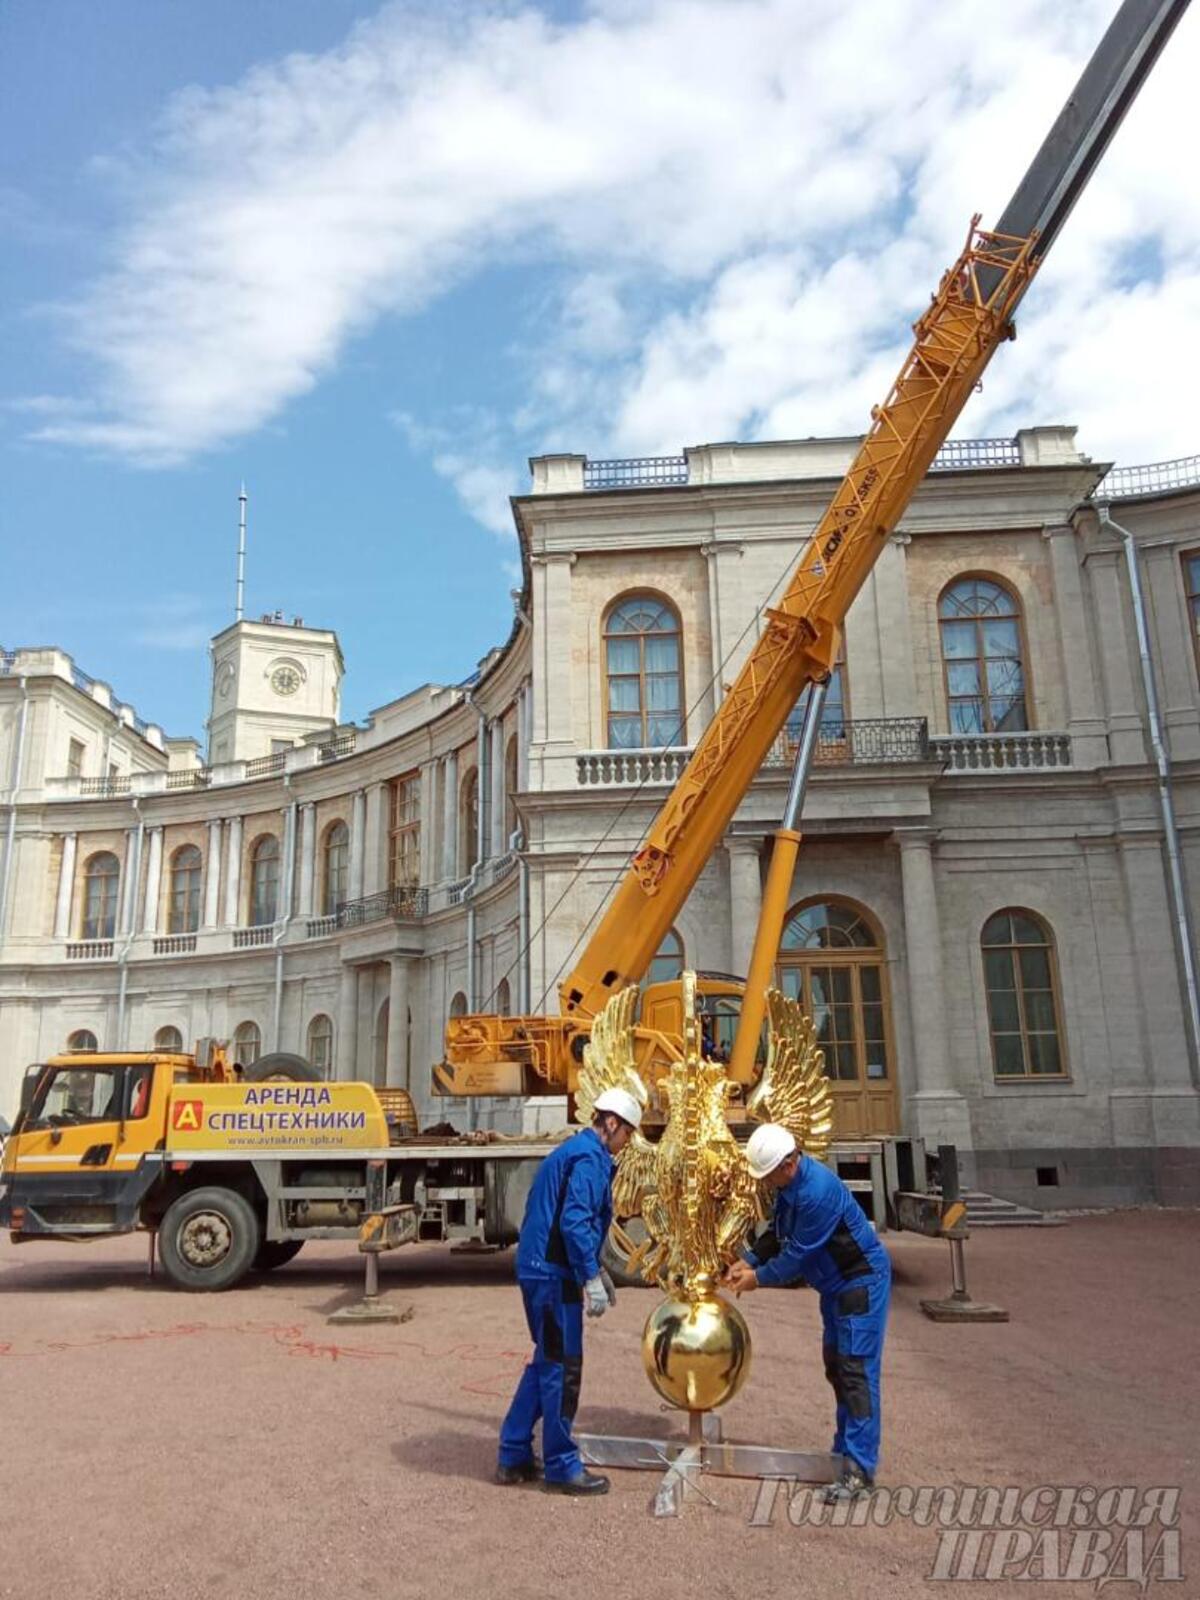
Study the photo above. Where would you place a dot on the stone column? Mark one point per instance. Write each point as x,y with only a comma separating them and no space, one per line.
941,1110
212,876
346,1059
233,872
374,876
523,706
308,857
397,1042
716,671
150,922
1085,724
66,887
429,861
450,815
745,899
556,639
128,897
897,675
499,842
1127,746
358,828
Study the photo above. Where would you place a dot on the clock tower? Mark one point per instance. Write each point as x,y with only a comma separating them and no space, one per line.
273,682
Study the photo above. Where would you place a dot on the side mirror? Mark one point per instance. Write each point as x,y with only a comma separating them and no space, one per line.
55,1135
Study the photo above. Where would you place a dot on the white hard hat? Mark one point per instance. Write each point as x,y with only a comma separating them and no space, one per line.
622,1104
767,1147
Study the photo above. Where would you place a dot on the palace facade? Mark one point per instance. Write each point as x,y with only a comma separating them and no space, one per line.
984,920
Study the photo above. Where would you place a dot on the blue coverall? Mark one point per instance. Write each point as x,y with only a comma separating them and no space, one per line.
821,1234
567,1218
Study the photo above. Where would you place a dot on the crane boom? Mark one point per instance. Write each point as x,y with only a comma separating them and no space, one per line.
970,315
955,339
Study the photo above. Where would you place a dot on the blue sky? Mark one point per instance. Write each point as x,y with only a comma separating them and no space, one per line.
370,258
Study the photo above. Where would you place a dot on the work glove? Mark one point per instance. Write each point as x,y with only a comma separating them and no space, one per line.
610,1287
595,1296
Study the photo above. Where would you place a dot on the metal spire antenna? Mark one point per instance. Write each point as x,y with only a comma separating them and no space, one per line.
241,561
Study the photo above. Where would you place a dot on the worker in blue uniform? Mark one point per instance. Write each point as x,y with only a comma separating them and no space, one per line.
567,1217
821,1234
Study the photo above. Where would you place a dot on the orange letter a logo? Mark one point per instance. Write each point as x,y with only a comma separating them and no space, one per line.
186,1116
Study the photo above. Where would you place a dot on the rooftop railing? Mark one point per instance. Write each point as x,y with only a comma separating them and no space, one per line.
1157,477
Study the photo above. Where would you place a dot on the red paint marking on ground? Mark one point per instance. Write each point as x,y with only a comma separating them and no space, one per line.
291,1338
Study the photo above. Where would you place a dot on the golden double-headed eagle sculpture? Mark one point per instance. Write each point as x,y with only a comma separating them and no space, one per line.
693,1189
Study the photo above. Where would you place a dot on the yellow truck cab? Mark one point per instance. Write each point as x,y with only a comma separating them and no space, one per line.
234,1172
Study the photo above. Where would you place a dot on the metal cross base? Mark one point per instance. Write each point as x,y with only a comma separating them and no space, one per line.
704,1451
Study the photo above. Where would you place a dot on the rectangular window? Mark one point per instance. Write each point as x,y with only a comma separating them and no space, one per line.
404,833
75,759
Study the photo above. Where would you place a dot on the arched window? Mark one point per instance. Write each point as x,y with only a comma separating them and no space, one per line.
982,658
335,876
320,1044
512,785
645,682
458,1006
668,959
101,878
82,1039
404,853
247,1043
831,959
168,1039
183,911
264,880
468,811
503,998
1022,996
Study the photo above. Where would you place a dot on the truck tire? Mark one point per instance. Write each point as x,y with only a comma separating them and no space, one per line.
282,1066
208,1239
625,1235
274,1253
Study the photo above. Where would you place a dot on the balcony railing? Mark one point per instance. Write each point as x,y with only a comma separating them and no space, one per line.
334,749
1001,752
606,768
192,778
104,787
635,472
251,938
266,766
321,927
1157,477
175,944
90,950
871,740
402,905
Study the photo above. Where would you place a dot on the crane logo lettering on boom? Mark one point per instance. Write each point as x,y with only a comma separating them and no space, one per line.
187,1114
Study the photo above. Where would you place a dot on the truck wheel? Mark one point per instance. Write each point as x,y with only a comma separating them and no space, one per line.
274,1253
624,1237
208,1239
281,1066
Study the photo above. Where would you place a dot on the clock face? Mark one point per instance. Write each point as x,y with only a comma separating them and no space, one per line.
225,680
285,680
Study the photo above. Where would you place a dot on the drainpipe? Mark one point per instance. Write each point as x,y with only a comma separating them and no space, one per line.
1162,760
18,761
282,923
130,933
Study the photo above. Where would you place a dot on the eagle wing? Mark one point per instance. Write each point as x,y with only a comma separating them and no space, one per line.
793,1089
608,1063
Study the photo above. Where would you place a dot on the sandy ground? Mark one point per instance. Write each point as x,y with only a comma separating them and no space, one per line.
157,1444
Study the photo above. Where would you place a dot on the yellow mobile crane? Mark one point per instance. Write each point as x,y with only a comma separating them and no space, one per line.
970,315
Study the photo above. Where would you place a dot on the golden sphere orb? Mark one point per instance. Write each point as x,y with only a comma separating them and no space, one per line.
696,1353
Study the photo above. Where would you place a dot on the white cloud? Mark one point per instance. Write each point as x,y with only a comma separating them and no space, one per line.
748,202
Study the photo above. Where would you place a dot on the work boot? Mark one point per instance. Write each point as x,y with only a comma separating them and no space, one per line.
524,1472
851,1483
584,1482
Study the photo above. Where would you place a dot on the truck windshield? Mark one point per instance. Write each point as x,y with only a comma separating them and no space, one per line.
74,1094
